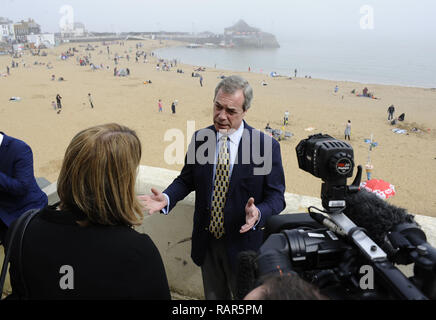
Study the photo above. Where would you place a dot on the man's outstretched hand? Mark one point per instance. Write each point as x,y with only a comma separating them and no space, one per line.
251,216
154,202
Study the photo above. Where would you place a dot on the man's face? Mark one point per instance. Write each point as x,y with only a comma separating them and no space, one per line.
227,110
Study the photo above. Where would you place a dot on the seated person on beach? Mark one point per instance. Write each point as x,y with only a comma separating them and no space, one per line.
263,83
86,247
401,117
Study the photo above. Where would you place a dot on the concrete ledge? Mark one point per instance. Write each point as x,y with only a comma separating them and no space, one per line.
42,182
172,233
52,194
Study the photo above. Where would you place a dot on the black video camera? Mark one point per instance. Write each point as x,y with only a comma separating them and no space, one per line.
328,250
326,158
332,161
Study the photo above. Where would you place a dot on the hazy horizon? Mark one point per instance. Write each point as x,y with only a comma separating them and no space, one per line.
402,19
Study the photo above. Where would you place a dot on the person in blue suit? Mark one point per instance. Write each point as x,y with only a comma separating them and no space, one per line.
19,191
231,207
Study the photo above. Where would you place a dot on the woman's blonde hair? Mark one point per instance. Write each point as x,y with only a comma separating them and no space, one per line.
98,175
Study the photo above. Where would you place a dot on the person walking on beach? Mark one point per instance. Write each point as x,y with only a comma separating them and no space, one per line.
7,70
173,106
201,80
295,73
159,104
58,101
391,111
348,130
90,100
286,118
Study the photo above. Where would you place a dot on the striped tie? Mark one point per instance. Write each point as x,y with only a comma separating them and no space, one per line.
221,186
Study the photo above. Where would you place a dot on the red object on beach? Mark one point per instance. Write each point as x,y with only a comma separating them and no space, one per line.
380,187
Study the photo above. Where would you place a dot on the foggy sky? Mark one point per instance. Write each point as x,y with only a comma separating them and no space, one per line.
398,18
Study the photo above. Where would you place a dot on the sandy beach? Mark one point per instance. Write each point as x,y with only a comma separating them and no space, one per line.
408,161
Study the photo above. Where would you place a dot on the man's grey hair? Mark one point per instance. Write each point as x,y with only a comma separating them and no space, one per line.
233,83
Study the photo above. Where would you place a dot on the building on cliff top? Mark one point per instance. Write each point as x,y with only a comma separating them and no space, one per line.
243,35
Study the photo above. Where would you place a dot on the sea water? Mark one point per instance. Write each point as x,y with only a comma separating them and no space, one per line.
380,60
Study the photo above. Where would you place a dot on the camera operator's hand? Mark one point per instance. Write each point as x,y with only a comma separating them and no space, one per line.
251,216
153,203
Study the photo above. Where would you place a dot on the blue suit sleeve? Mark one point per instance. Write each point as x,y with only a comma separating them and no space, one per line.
274,188
20,182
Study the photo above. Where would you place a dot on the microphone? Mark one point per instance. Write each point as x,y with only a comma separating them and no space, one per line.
377,216
397,233
391,227
246,275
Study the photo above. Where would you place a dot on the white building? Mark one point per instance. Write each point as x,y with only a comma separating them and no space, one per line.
6,29
79,29
74,30
46,39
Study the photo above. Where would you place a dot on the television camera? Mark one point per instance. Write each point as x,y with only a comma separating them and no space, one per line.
349,249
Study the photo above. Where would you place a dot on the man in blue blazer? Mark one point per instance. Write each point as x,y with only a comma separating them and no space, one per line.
19,191
233,197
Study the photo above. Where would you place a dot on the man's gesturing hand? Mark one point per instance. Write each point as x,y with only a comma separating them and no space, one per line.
251,216
154,202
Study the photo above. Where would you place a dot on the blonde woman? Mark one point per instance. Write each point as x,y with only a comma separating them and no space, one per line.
86,248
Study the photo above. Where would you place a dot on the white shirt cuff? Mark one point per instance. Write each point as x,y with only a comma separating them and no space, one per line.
167,209
258,220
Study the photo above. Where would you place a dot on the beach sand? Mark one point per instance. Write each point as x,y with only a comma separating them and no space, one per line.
408,161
